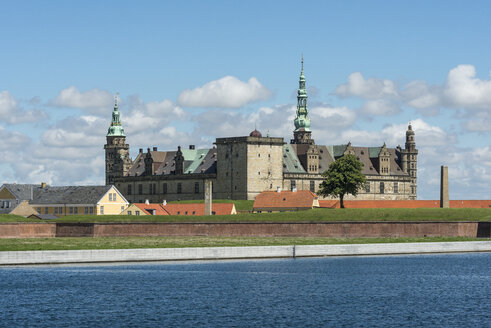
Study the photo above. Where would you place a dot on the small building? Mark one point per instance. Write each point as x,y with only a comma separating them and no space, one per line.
14,199
283,201
197,209
78,200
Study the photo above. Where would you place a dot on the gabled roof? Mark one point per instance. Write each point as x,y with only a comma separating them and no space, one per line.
21,191
195,161
301,199
186,209
69,194
291,163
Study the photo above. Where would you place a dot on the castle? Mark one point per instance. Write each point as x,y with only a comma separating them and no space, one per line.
243,167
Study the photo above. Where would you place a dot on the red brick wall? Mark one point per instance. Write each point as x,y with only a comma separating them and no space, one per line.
405,203
27,230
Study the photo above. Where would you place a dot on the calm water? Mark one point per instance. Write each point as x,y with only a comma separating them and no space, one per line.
407,291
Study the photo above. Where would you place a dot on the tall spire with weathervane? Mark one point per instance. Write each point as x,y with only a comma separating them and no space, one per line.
302,133
115,129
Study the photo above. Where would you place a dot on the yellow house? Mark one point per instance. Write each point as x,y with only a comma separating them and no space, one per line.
78,200
14,199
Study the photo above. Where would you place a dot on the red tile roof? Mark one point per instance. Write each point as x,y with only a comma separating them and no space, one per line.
187,209
300,199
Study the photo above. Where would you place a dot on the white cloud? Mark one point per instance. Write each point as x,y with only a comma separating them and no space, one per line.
380,107
372,88
227,92
331,117
10,112
93,101
419,94
464,90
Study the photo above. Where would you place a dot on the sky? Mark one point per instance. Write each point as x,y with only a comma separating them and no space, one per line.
188,72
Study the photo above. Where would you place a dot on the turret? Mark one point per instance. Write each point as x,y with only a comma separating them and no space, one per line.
148,163
118,161
179,161
384,161
302,133
410,160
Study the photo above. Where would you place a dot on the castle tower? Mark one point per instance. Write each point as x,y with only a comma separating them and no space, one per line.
302,133
179,160
410,160
304,145
148,163
118,160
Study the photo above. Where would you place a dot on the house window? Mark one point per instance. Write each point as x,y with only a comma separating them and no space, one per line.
75,210
179,188
86,211
110,197
140,189
293,184
122,208
71,210
91,210
196,187
396,188
61,210
129,189
137,212
39,210
312,186
164,188
367,187
102,210
382,187
45,210
129,212
114,197
56,210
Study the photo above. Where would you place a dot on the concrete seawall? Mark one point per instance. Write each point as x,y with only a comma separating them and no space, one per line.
216,253
250,229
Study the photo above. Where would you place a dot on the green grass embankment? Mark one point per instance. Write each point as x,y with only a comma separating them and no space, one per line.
240,205
74,243
314,215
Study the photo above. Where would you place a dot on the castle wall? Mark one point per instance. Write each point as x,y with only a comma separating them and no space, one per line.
156,188
264,168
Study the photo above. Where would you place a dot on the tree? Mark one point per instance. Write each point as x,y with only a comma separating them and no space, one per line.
343,177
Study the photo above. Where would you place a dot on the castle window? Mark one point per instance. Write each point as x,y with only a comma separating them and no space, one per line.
269,155
129,189
179,188
258,155
413,190
396,188
164,188
382,187
312,186
196,187
367,187
258,173
154,189
270,186
150,191
140,189
293,184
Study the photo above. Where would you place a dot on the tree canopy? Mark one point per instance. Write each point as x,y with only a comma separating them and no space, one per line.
343,177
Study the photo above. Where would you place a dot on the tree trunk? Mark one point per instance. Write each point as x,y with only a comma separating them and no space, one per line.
341,202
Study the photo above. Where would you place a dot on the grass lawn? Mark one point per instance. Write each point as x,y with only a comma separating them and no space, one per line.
33,244
314,215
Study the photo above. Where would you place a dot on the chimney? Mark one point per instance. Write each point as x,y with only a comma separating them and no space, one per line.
278,189
147,202
191,146
154,148
43,185
164,202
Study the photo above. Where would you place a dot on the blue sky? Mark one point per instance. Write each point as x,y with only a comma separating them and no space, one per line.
190,71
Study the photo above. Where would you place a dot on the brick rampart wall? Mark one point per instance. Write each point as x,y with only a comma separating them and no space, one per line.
405,203
325,229
27,230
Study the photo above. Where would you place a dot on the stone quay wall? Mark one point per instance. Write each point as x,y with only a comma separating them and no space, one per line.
249,229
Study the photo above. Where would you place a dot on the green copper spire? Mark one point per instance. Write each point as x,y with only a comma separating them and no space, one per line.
116,129
302,120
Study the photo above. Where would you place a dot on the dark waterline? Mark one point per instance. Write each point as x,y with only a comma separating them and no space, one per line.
390,291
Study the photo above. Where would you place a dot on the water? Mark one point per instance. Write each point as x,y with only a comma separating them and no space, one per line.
391,291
